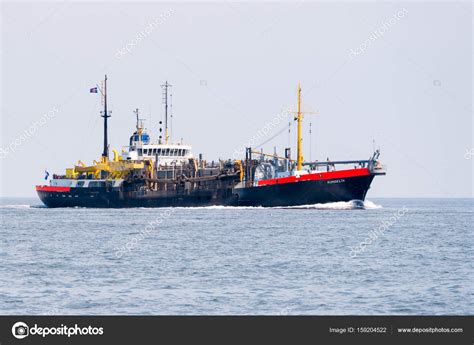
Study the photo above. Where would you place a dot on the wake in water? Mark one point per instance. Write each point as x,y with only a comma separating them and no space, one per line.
15,206
340,205
22,206
369,205
221,207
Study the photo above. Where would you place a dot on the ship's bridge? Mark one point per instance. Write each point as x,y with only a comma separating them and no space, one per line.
165,154
137,138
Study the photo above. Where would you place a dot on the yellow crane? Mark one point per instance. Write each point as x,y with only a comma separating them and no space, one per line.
299,118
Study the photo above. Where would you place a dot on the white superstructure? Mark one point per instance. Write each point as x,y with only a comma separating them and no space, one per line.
166,154
140,148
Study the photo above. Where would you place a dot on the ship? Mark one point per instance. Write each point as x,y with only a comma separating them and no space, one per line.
163,173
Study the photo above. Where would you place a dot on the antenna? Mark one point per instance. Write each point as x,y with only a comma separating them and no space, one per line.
140,126
171,115
310,142
164,100
289,134
136,112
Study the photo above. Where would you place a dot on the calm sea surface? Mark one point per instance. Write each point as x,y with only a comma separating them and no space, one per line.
393,256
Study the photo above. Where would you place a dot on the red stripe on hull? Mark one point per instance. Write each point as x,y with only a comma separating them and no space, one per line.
53,189
330,175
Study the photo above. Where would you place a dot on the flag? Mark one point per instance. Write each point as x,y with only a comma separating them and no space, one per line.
47,174
93,90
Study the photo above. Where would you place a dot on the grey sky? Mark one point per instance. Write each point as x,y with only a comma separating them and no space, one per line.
234,67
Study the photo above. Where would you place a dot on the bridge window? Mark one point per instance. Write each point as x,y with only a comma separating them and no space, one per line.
140,153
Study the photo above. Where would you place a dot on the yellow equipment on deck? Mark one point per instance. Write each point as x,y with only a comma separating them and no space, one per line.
117,168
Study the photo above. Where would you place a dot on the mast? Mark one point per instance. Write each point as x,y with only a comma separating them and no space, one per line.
299,146
139,126
105,115
136,111
165,87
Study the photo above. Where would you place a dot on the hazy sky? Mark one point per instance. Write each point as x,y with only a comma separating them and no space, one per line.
399,73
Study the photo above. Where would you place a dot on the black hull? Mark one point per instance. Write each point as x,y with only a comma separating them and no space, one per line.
306,192
288,194
84,197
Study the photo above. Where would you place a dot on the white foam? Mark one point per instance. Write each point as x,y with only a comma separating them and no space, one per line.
369,205
221,207
15,206
22,207
340,205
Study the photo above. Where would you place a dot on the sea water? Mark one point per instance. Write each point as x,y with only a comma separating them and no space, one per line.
383,256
